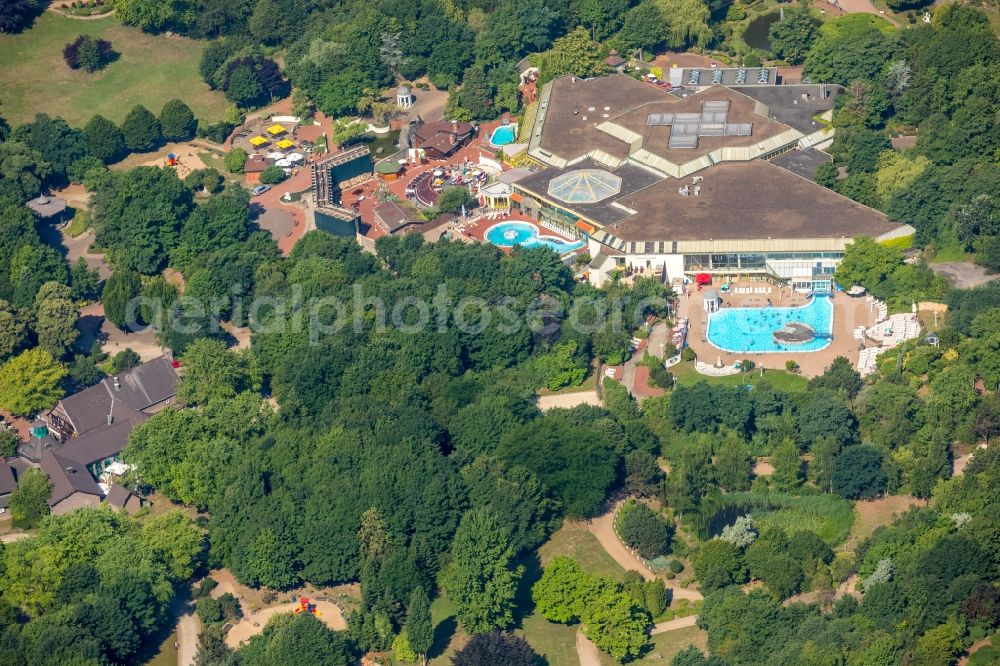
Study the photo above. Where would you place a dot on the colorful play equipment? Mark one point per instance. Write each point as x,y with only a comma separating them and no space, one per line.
306,607
171,160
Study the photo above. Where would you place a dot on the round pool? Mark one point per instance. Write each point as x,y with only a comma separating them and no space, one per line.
503,135
509,234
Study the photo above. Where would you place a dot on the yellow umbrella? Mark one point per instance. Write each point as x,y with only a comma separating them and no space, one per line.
258,141
275,130
285,143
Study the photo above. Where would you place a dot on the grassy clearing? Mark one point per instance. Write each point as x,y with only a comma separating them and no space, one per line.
872,514
555,642
79,223
669,643
779,379
827,516
151,69
574,540
448,637
167,656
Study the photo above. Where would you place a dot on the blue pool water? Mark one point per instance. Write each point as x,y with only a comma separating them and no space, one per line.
509,234
503,135
751,329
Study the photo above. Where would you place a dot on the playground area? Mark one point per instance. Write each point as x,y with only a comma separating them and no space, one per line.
328,612
182,157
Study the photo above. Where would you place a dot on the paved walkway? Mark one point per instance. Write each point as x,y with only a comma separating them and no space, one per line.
603,528
586,651
679,623
188,628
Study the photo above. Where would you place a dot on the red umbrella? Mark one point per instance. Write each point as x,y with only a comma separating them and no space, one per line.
703,278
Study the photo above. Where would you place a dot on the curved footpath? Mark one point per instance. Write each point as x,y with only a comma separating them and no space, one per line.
603,527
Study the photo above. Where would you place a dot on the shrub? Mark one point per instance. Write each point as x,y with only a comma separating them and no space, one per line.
9,441
87,53
659,377
676,566
791,366
215,132
206,586
234,160
273,175
127,359
644,531
688,354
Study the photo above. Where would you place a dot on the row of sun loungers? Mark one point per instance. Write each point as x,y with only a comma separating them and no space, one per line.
751,290
866,361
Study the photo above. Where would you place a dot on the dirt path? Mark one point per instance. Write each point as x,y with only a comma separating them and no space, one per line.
973,649
603,527
679,623
254,623
586,651
11,538
188,628
568,400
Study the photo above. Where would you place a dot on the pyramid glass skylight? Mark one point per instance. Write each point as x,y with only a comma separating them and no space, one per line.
585,186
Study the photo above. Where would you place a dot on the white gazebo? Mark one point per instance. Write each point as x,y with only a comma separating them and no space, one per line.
404,98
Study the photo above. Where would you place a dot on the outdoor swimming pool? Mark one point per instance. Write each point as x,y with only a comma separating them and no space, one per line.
503,135
509,234
752,329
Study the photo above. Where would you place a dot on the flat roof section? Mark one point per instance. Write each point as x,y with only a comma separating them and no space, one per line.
576,106
743,201
802,162
656,138
787,104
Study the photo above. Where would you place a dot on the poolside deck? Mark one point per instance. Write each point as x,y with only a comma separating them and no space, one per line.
848,314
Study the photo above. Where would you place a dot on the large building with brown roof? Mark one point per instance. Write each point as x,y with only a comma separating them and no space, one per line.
676,181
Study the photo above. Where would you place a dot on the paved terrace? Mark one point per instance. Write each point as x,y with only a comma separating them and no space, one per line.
848,314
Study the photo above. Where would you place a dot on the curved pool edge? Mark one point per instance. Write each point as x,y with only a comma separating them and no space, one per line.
828,340
536,233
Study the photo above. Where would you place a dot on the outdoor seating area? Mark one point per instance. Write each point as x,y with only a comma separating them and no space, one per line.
260,134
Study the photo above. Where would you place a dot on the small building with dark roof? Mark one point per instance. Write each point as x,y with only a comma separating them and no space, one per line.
146,388
615,62
441,138
8,484
121,499
393,218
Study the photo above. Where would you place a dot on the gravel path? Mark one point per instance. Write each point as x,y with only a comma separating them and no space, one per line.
679,623
603,528
586,651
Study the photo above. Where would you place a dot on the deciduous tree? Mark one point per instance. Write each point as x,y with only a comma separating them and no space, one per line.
482,577
29,501
30,382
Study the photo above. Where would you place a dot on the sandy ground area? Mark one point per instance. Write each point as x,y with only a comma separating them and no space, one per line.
255,623
964,274
568,400
188,628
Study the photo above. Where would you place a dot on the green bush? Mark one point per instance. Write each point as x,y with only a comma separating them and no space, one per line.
688,354
9,441
234,160
676,566
273,175
644,531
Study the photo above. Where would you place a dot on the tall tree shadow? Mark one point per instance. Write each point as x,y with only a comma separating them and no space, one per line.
443,633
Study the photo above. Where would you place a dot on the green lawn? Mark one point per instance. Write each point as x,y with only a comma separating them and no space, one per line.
574,540
167,656
555,642
150,70
779,379
669,643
